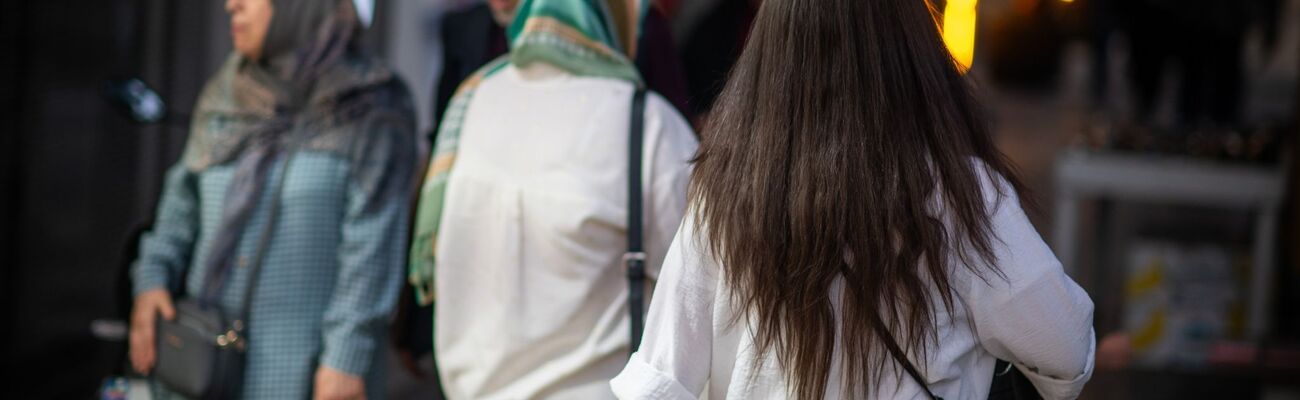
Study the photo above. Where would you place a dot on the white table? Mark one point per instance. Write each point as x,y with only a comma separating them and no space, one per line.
1082,175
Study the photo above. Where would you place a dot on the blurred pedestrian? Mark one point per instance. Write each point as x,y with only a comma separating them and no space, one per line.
1205,40
301,145
525,203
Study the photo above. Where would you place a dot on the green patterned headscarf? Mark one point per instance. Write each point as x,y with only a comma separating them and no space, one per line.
595,38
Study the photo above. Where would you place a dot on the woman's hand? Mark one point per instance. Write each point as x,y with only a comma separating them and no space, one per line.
148,305
332,384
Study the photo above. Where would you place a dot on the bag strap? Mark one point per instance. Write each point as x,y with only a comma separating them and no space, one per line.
239,324
916,376
634,259
897,352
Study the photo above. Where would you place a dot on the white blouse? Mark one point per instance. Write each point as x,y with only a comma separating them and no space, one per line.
531,287
1036,318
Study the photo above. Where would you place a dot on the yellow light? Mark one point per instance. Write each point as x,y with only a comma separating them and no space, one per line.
959,31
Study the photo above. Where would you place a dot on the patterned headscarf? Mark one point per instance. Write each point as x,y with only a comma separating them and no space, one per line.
313,90
595,38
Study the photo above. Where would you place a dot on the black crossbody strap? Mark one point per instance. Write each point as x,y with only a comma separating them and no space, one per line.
916,376
894,350
634,259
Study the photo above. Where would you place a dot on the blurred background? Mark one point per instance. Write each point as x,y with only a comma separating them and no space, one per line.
1157,137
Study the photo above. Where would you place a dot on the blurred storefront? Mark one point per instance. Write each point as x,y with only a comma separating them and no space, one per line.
1157,136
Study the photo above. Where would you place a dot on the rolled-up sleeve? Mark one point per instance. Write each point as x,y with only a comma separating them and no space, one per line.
166,249
1037,317
372,252
676,349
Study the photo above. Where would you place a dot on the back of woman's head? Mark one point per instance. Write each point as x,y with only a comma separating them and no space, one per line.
844,146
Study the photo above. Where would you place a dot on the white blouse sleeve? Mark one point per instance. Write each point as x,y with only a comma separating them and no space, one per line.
671,144
674,358
1037,317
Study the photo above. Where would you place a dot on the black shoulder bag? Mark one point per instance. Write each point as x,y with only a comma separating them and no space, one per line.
1008,382
1011,384
200,353
634,259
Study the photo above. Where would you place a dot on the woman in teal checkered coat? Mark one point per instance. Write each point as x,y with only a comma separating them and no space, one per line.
300,114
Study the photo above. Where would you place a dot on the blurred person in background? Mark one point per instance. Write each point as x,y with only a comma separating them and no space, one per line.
521,227
300,109
1205,39
471,38
854,233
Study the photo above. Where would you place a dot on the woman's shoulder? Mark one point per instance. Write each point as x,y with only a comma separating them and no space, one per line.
366,109
361,75
995,188
367,88
659,107
674,131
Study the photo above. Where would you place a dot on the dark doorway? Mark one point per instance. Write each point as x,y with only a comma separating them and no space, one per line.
77,177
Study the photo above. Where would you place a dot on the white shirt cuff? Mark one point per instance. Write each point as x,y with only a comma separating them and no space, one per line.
643,382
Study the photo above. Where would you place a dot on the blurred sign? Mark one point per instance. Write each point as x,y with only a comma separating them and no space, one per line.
1181,299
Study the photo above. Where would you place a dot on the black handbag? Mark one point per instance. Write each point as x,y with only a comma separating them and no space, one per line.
201,352
634,259
1008,382
1011,384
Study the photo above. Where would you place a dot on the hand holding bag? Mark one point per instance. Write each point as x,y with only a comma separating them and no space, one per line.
201,352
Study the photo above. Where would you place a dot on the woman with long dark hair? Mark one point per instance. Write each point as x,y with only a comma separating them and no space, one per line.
853,232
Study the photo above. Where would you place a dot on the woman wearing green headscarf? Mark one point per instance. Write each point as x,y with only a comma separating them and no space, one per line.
521,225
293,190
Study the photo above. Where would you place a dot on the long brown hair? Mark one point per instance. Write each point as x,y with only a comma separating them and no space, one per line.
843,131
